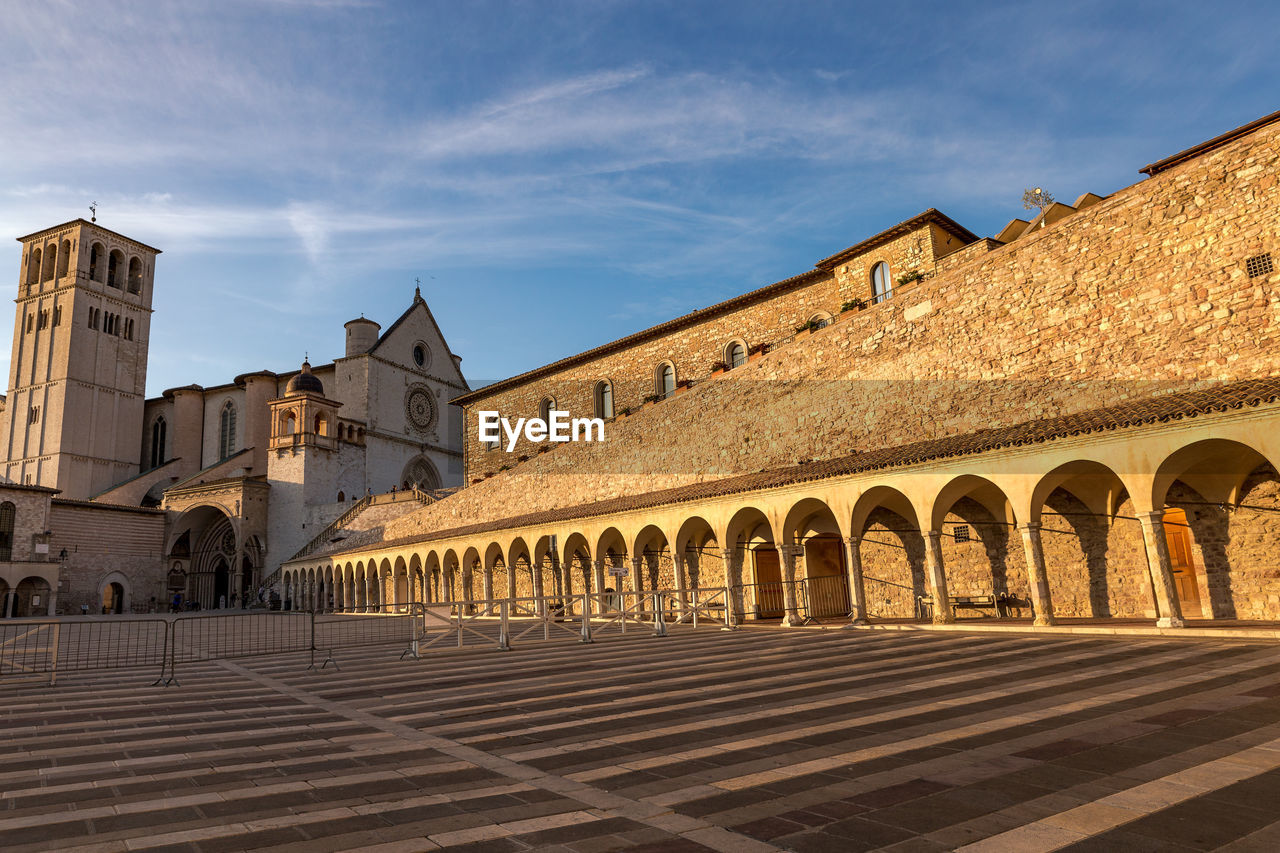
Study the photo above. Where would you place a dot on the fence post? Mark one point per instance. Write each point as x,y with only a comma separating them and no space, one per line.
504,629
312,622
586,619
728,612
659,623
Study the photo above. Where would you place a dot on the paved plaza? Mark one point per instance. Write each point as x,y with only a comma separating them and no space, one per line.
760,739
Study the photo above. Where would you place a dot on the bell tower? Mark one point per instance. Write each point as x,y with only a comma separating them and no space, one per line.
78,373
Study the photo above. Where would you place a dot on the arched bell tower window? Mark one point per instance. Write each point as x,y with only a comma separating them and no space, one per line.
135,275
64,258
114,261
158,430
227,431
50,262
7,514
95,262
604,399
33,267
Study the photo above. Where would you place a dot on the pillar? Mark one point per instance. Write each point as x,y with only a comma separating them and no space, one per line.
487,588
733,583
788,554
942,614
637,582
857,589
677,566
1163,587
1036,574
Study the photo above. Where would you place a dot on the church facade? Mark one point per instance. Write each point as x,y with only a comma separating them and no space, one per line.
200,492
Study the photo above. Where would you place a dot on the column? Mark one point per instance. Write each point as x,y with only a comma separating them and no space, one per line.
598,583
1036,574
733,581
788,554
1168,607
511,580
677,566
857,590
942,614
535,577
487,588
637,582
468,589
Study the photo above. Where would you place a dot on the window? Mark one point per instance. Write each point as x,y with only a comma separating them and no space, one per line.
114,261
735,355
33,415
30,322
158,430
43,322
290,422
960,532
881,286
135,275
227,431
665,385
95,257
421,355
321,424
57,315
64,257
545,408
820,320
50,262
341,497
604,399
33,267
7,513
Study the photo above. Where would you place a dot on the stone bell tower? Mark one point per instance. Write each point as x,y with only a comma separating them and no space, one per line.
78,374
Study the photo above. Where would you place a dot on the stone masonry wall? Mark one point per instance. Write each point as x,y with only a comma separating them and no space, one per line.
1146,290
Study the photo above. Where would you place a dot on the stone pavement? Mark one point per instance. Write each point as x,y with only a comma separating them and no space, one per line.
755,740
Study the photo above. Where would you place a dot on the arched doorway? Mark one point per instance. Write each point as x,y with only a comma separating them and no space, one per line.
32,597
1177,533
221,583
113,598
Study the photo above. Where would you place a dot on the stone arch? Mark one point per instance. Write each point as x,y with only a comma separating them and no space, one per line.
612,550
33,266
974,521
399,592
813,529
451,575
135,275
385,586
115,593
701,553
656,564
50,265
495,573
64,258
886,528
420,473
520,575
755,568
576,565
417,586
33,597
470,562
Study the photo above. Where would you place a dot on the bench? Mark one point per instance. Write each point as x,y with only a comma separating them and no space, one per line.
1001,603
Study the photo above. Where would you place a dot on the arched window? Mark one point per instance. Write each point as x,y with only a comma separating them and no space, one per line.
665,380
341,496
881,285
95,259
50,262
64,258
290,422
114,261
33,267
57,315
321,424
157,442
227,431
735,355
135,275
820,320
545,408
7,513
604,399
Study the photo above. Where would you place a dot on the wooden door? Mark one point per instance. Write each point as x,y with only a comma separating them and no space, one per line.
768,585
1178,535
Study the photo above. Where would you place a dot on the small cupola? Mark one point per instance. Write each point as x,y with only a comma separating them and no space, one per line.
305,382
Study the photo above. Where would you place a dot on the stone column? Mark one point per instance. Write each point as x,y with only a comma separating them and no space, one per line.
637,582
788,554
857,589
1037,577
487,588
677,567
511,581
733,580
1160,569
598,580
468,589
942,614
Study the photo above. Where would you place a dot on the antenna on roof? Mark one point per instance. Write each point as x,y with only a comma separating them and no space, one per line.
93,212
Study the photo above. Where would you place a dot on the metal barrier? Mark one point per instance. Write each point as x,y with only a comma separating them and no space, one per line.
43,647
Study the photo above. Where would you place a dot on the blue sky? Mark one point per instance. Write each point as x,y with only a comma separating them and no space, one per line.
560,174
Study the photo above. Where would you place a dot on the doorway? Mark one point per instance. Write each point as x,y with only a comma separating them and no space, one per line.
1178,534
113,598
769,600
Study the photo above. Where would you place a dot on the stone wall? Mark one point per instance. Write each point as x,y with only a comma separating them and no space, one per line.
1141,293
106,544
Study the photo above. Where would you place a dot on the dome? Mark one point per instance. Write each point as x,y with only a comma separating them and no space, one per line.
305,382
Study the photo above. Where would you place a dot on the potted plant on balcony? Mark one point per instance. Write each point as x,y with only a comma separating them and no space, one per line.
910,277
855,304
756,351
718,367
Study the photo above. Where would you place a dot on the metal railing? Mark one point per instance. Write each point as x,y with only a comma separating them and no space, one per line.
40,648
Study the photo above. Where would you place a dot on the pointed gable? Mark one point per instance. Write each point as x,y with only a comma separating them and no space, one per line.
418,325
